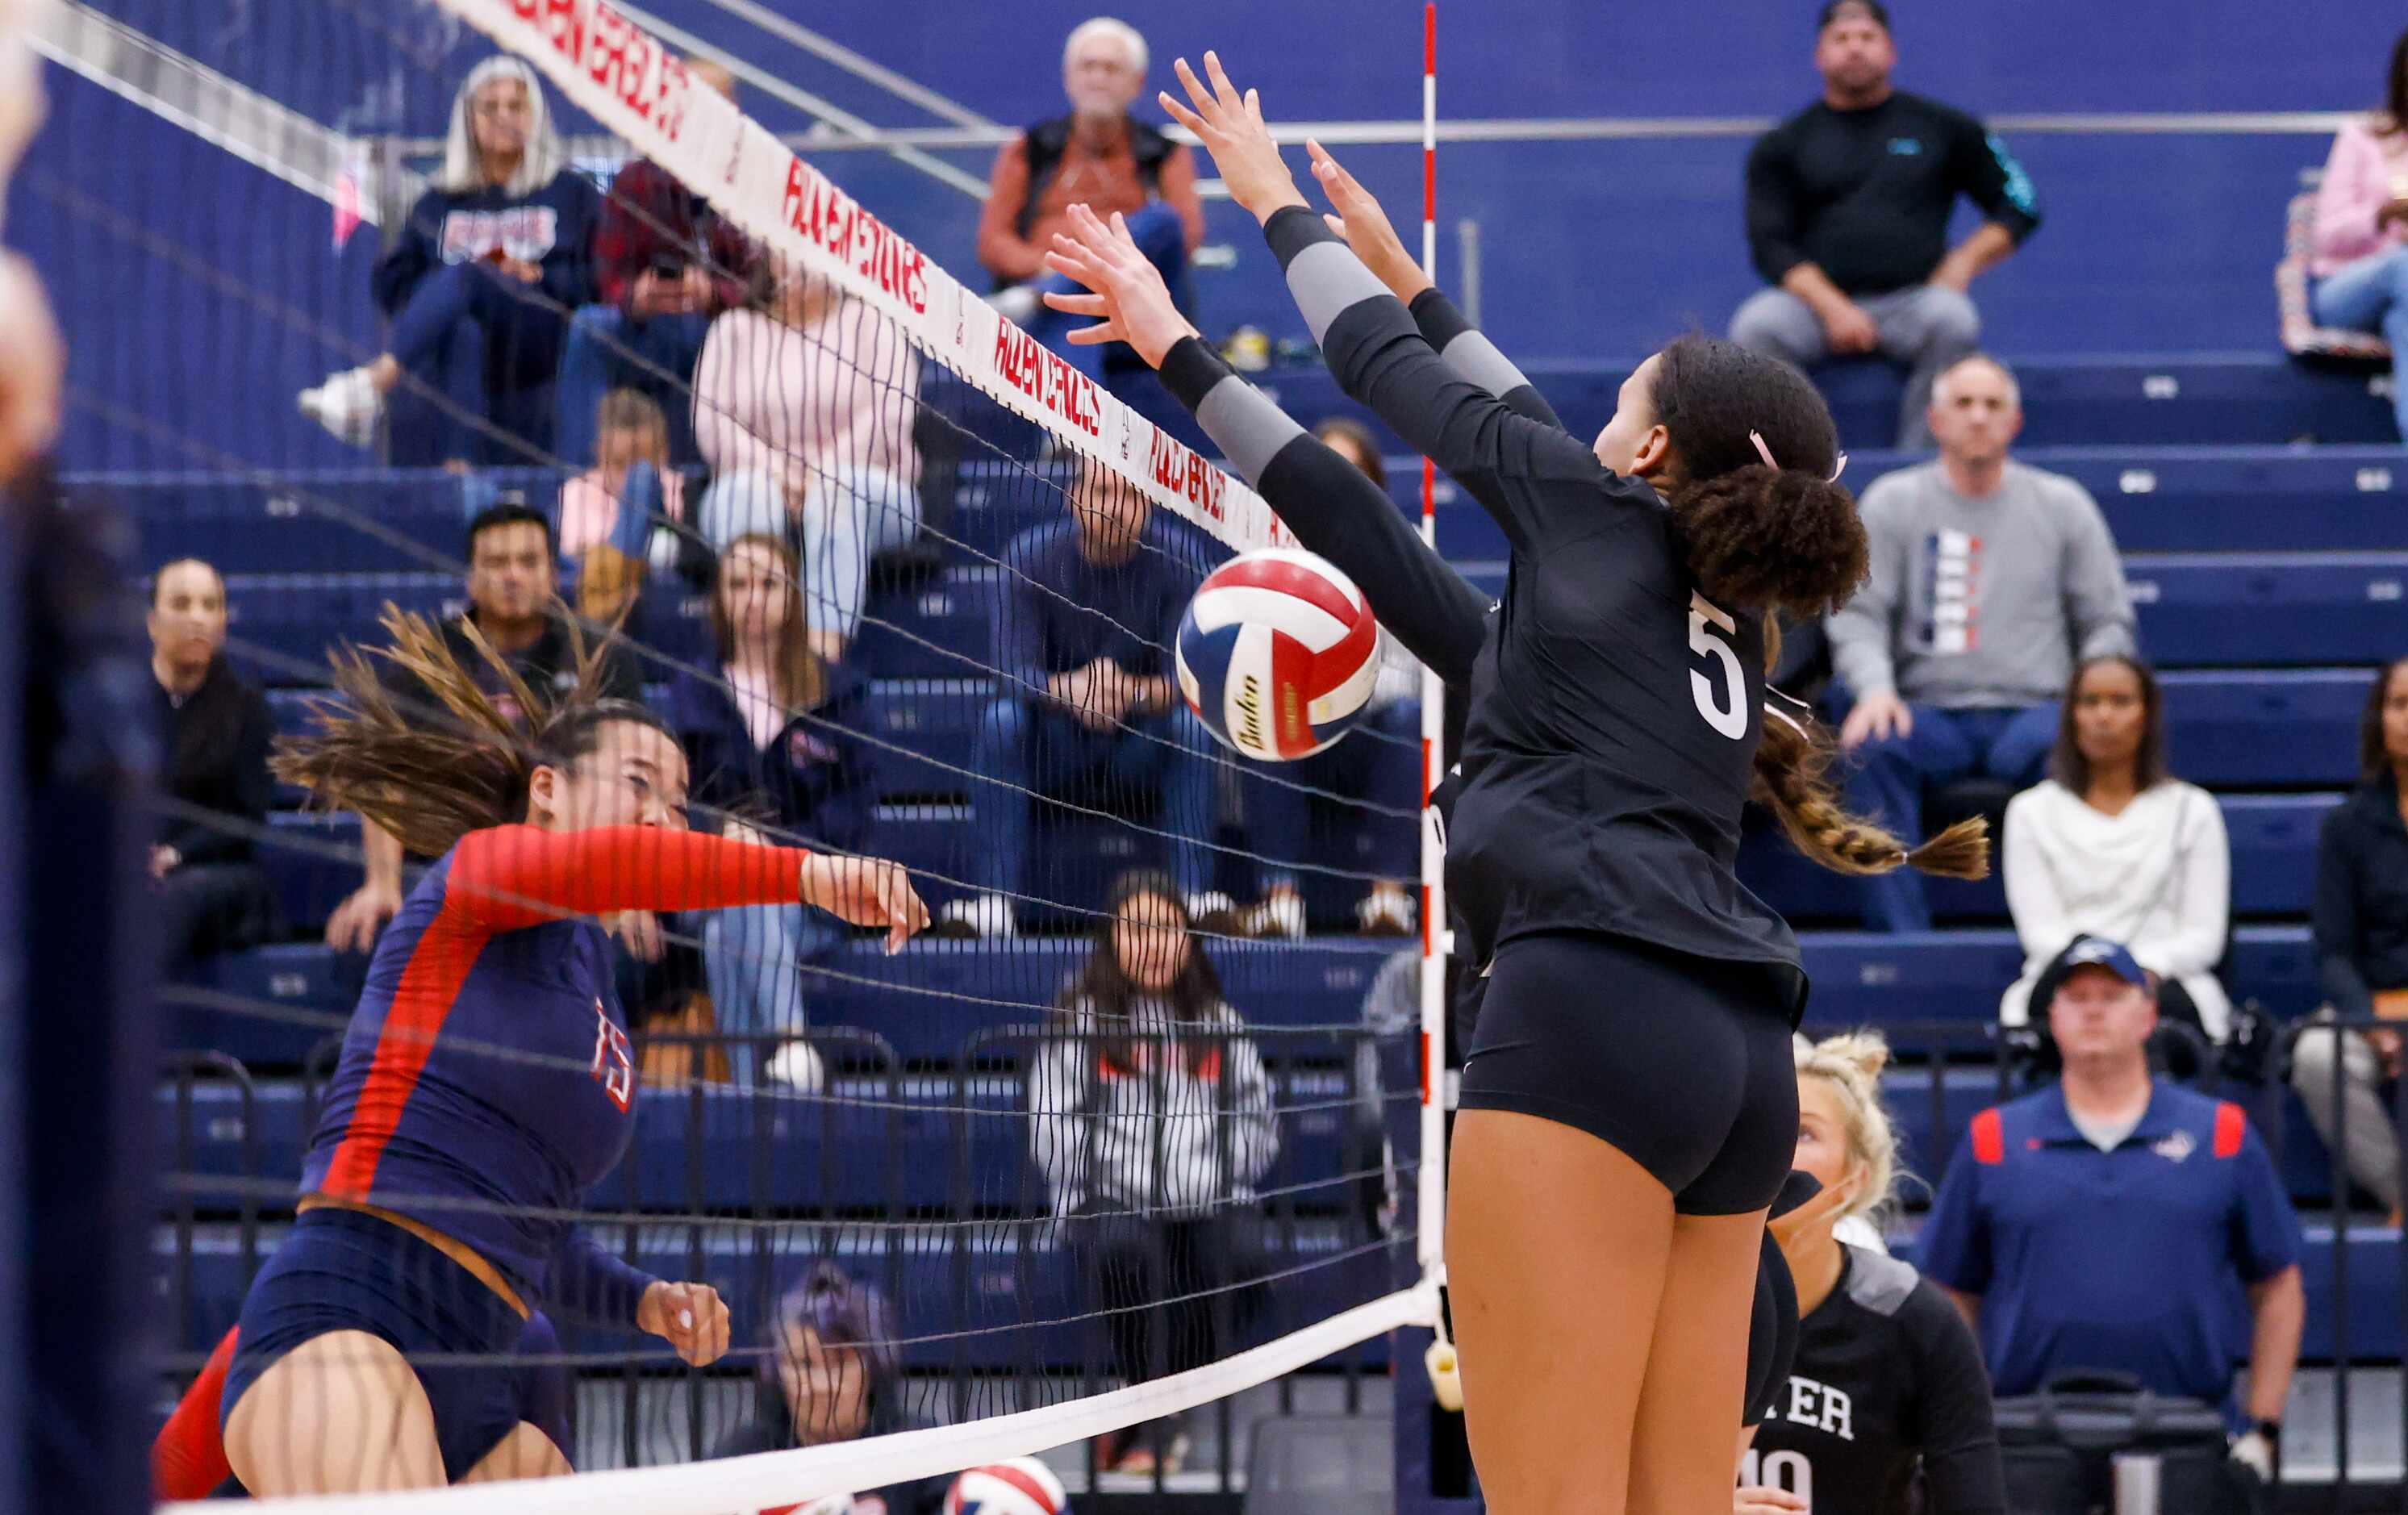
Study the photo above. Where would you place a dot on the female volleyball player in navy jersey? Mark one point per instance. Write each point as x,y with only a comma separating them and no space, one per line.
486,1081
1629,1108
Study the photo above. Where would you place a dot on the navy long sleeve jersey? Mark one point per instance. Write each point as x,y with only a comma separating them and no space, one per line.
814,775
1613,711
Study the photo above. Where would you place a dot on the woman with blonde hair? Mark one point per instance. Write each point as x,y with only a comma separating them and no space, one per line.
495,258
1888,1409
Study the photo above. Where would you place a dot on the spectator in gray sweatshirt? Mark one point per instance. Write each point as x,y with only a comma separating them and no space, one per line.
1990,581
1152,1121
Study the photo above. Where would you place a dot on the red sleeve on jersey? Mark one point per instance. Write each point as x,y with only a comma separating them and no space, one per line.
2230,1126
509,878
1989,1140
189,1460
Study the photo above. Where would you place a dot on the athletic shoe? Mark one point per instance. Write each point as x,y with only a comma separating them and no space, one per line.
1280,917
1388,910
1215,914
347,404
797,1066
984,917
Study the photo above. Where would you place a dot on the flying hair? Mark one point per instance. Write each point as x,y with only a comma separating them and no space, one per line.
447,759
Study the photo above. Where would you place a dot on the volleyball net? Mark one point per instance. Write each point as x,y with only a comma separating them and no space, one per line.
1137,1128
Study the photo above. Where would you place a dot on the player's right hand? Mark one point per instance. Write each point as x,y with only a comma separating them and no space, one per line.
1876,717
1231,126
1763,1501
1129,292
354,924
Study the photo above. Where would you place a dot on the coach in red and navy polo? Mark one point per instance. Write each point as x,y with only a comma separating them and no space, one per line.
2117,1221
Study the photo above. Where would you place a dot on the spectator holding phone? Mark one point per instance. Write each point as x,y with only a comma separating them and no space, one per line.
481,283
664,265
2360,921
2360,263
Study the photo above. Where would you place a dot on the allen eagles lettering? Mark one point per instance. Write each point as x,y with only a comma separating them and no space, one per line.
616,53
824,214
1182,471
1024,363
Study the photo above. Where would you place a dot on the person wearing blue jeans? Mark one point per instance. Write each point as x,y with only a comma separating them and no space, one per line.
1988,581
1161,236
1029,754
607,349
1080,625
1374,773
2372,295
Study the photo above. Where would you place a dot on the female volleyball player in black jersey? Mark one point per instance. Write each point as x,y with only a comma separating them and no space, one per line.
1630,1105
1887,1406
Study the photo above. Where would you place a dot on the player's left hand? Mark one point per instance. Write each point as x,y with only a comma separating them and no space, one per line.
1231,126
1129,295
865,892
690,1317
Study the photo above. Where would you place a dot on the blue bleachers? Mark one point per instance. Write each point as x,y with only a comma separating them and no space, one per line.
2196,399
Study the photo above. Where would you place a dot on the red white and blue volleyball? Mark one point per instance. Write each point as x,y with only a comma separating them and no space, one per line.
1021,1486
1278,653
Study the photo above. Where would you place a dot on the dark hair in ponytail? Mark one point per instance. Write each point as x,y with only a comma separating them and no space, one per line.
1783,535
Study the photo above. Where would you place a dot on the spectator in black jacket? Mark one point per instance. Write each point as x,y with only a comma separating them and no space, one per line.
772,737
2361,933
1847,218
480,284
214,894
834,1373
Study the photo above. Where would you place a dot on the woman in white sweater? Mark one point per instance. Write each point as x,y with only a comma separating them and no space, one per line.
2112,845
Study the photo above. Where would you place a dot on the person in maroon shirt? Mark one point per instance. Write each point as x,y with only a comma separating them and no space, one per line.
664,265
1103,157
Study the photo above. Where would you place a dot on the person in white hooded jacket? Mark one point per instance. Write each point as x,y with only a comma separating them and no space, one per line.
2113,845
1152,1121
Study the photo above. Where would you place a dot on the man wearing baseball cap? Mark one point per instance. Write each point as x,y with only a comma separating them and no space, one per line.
2116,1221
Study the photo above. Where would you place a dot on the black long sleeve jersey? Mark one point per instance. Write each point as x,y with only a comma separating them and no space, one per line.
1887,1390
1613,711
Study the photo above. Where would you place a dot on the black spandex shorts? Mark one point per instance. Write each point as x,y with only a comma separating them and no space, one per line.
1681,1064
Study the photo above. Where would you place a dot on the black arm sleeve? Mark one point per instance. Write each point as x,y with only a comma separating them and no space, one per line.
1512,465
1453,337
1773,233
1956,1427
1336,512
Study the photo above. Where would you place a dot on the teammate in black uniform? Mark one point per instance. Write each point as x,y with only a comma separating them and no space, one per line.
1887,1408
1629,1100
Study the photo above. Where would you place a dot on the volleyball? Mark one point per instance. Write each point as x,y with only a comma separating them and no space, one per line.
1278,653
1022,1486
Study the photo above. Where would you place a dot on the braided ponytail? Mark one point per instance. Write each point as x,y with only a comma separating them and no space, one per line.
1792,766
1768,526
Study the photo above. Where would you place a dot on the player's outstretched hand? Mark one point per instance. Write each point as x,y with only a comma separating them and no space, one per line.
1231,126
1130,293
690,1317
1367,227
865,892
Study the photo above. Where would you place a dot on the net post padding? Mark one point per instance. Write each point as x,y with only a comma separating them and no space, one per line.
764,1480
632,83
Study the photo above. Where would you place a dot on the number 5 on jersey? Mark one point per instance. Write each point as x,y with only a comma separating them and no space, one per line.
614,1061
1722,698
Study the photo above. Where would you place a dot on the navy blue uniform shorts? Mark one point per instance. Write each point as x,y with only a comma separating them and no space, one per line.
339,1270
1681,1062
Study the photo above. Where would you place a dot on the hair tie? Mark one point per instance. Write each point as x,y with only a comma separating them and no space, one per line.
1766,453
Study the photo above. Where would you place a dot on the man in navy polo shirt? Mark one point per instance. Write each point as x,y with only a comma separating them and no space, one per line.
2116,1221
